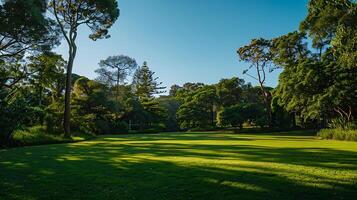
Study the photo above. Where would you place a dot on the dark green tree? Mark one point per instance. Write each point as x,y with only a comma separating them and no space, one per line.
114,70
24,27
145,86
229,91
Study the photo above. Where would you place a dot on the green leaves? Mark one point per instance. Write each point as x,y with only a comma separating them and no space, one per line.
25,28
98,15
145,84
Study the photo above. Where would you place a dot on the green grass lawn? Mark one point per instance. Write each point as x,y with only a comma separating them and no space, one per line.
183,166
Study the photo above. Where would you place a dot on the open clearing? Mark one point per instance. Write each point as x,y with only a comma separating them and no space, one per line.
183,166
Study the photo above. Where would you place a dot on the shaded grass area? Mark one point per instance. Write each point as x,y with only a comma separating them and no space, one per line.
183,166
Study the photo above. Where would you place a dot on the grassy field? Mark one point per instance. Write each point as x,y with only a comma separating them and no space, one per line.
183,166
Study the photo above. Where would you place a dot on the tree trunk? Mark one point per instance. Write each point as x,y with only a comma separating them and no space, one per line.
67,98
293,116
267,101
270,113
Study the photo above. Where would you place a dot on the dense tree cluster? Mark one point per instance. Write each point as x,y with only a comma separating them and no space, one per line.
319,84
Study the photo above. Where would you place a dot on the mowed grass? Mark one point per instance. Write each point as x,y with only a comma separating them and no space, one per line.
183,166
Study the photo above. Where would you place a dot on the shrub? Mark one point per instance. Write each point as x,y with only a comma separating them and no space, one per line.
119,127
36,135
338,134
84,123
154,129
341,123
53,119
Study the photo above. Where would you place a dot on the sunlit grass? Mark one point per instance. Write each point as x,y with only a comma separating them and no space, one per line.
183,166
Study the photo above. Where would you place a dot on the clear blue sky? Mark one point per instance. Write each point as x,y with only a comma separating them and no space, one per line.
189,40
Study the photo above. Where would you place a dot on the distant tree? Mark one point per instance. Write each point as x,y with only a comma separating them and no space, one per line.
237,114
192,115
99,16
114,70
171,106
92,109
258,54
145,85
187,91
229,91
198,108
174,89
231,116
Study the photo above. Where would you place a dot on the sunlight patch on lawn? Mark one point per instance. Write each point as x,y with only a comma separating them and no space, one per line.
236,184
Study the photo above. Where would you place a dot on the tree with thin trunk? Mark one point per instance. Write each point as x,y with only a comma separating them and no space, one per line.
114,71
258,54
97,15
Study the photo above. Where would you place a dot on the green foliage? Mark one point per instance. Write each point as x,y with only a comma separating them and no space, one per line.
338,134
13,113
198,107
155,129
320,86
46,77
231,116
93,111
25,28
115,69
323,18
342,123
289,49
171,106
236,115
98,15
259,55
149,111
145,84
229,91
36,135
53,119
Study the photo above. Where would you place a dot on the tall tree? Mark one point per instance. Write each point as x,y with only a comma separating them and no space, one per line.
198,108
320,86
98,15
145,86
145,83
258,54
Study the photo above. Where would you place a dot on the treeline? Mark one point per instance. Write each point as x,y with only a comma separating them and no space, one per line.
39,93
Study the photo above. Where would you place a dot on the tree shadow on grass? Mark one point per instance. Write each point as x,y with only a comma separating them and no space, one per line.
129,169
